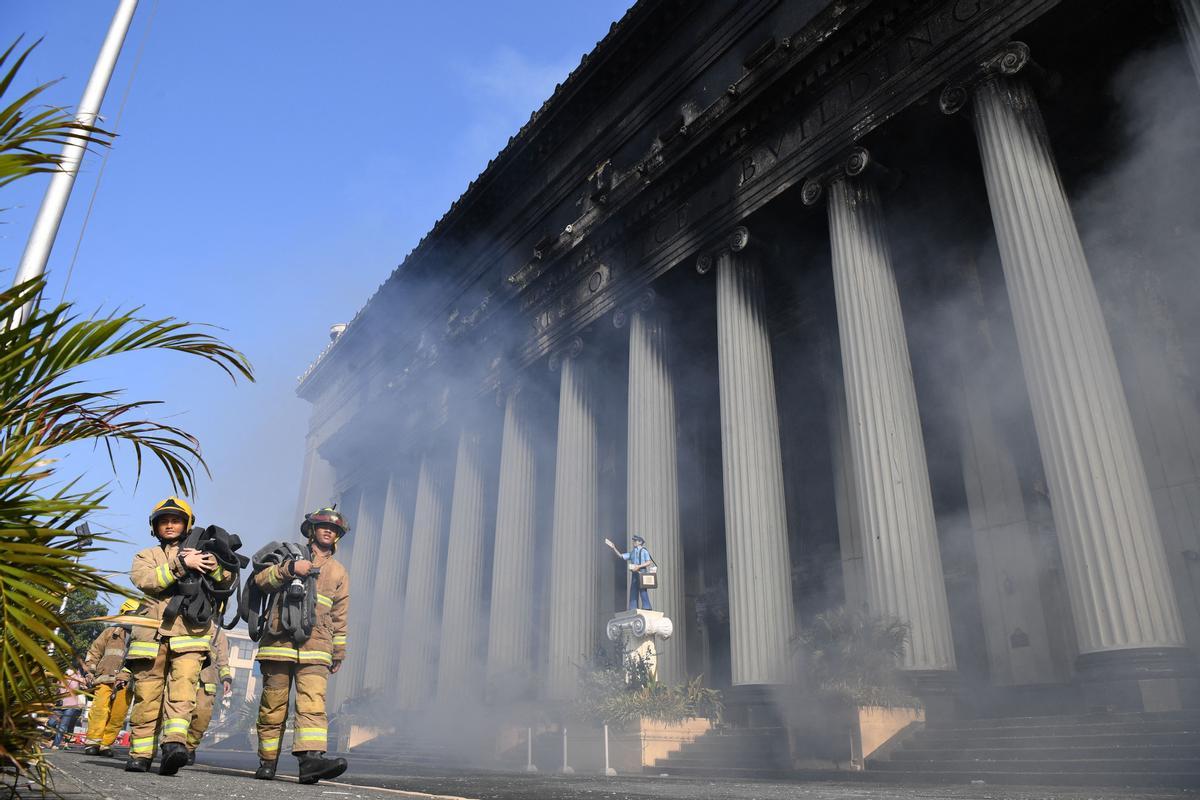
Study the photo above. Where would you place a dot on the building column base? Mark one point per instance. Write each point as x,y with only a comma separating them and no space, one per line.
1139,679
938,691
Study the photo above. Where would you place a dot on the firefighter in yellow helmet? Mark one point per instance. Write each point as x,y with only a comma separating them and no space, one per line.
216,669
166,660
284,660
111,691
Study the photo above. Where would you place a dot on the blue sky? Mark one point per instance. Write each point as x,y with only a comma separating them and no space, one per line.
276,161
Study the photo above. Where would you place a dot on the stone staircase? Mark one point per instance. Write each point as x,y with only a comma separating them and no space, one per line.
408,752
1132,749
1142,750
730,753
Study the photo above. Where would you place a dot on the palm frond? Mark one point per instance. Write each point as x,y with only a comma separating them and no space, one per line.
26,137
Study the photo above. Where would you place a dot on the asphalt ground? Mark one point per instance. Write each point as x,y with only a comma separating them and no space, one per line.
226,776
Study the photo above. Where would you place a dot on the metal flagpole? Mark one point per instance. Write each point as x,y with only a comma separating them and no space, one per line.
45,227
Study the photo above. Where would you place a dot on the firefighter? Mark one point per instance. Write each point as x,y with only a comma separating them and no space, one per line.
111,691
216,668
168,657
286,657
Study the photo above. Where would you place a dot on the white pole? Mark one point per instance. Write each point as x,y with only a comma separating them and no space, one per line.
529,767
609,771
45,227
566,768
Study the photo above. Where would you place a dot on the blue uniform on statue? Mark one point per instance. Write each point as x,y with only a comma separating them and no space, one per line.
638,555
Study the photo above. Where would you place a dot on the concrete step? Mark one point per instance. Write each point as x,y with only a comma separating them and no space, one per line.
1041,766
718,771
1164,780
763,762
927,741
1063,719
1132,750
1134,728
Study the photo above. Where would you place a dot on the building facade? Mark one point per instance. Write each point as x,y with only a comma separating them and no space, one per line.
835,304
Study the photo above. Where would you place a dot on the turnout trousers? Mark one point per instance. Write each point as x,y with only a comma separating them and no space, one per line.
108,714
202,716
310,723
165,687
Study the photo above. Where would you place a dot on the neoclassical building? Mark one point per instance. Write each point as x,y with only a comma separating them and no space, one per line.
834,303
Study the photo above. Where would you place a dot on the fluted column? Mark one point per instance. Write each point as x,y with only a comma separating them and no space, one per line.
360,649
387,601
1113,557
652,508
510,634
418,650
1188,13
903,565
461,661
845,494
761,617
574,591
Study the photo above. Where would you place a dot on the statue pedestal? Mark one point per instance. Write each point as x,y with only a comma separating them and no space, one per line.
637,631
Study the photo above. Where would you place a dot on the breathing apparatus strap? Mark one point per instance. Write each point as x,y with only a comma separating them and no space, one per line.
297,599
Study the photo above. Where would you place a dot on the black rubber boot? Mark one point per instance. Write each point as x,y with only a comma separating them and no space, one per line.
314,766
92,750
265,771
137,765
174,757
191,757
105,752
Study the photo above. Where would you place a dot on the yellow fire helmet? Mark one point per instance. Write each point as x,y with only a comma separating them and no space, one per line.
173,505
129,605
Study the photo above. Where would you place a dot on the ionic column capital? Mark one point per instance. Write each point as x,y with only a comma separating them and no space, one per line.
643,301
1010,60
737,241
858,163
573,348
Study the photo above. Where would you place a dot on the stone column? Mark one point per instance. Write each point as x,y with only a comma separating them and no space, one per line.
1006,551
359,647
461,663
653,472
903,566
850,533
510,636
1188,13
387,602
1130,635
761,617
574,591
418,650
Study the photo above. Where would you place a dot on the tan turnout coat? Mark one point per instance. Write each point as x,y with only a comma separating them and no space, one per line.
106,654
216,668
328,640
155,571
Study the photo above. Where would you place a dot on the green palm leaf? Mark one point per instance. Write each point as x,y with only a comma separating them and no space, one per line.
44,408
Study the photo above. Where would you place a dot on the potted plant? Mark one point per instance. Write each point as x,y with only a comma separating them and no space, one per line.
853,696
647,720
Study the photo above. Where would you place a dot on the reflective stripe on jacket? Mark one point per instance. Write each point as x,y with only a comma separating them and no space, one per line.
216,667
155,571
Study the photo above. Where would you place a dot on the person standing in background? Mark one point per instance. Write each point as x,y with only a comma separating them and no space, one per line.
71,700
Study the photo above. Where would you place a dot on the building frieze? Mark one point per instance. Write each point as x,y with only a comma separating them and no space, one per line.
814,113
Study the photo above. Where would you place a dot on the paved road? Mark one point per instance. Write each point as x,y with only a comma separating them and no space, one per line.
222,776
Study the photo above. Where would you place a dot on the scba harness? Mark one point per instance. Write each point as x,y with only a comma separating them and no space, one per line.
297,601
197,598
